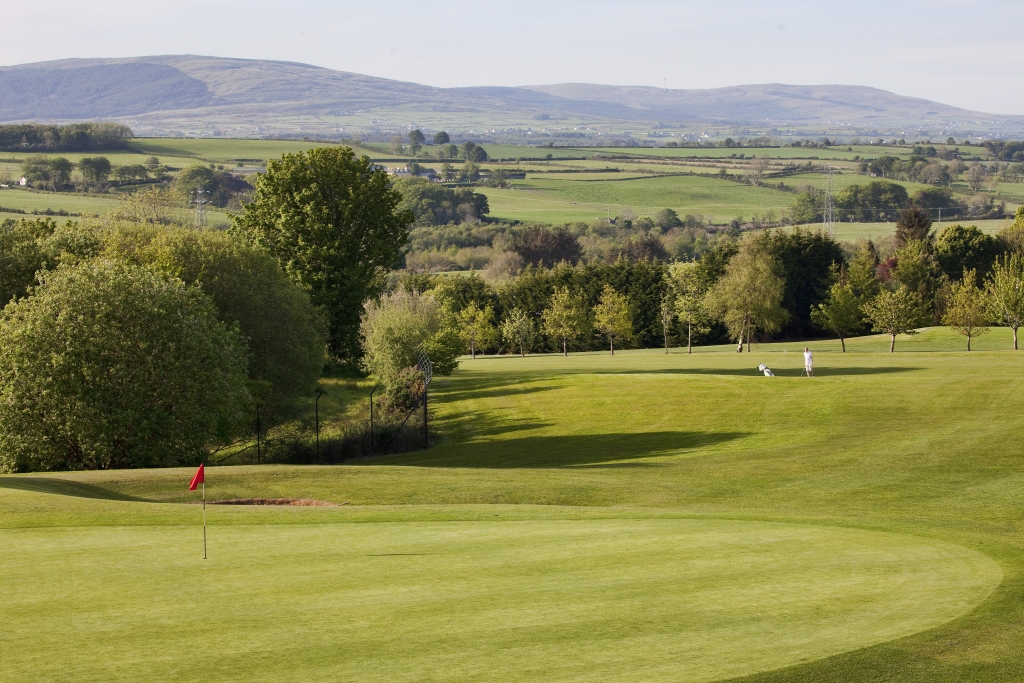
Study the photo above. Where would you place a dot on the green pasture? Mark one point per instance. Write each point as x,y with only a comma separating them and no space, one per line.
86,205
73,202
559,200
643,516
222,151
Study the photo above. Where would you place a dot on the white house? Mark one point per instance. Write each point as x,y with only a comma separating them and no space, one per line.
23,182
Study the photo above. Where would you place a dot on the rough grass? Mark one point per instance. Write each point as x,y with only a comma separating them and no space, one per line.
637,517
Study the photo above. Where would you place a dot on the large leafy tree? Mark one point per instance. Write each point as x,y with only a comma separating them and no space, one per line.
333,222
961,248
109,365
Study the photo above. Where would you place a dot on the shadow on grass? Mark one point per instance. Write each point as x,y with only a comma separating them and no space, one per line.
606,450
63,487
753,372
496,389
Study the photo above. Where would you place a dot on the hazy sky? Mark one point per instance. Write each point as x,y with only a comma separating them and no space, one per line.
961,52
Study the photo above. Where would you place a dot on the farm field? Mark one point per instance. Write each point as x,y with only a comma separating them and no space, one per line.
561,200
661,517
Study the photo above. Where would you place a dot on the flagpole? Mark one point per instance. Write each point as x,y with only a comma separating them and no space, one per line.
204,518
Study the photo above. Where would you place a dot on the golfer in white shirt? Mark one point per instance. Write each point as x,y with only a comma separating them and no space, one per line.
808,362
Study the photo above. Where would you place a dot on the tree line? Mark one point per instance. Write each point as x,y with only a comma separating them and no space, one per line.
75,137
138,341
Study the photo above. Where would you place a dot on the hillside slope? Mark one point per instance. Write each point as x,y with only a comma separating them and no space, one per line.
217,91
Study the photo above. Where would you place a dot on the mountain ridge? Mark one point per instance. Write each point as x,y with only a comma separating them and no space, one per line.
218,90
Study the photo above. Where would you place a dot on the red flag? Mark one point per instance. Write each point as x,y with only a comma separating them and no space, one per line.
198,479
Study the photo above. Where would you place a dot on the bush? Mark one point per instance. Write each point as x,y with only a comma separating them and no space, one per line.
397,327
107,365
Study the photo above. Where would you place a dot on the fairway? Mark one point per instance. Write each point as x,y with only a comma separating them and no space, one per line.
647,516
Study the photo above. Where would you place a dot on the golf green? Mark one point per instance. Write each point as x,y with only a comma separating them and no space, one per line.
352,598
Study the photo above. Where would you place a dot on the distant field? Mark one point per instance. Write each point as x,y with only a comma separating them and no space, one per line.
68,201
851,232
560,200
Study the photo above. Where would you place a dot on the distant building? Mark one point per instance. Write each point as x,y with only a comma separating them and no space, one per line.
23,182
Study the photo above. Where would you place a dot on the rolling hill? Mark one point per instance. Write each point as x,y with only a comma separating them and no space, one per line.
191,92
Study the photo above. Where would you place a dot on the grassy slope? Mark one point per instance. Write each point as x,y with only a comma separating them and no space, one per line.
923,442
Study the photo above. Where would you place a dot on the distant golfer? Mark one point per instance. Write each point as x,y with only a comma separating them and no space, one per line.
808,362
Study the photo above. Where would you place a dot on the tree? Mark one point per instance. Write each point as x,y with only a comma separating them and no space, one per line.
546,247
975,177
54,173
517,329
1004,292
139,173
447,172
283,333
95,170
476,326
894,311
447,152
153,206
441,138
433,204
108,365
690,284
566,318
416,141
749,296
469,172
667,314
841,312
219,187
644,247
613,318
965,311
60,172
333,223
666,219
396,327
960,248
758,169
29,247
473,152
913,224
863,271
